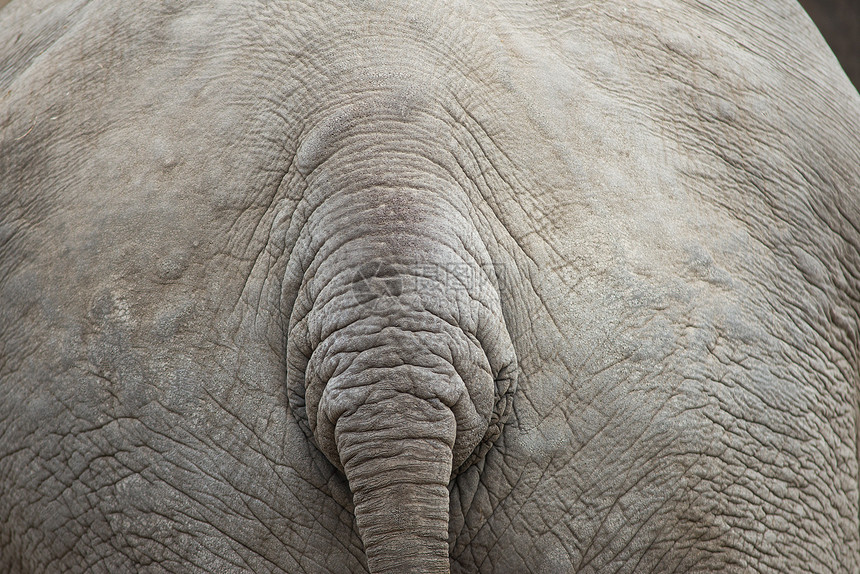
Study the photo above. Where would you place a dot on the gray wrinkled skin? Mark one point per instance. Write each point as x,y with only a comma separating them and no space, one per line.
336,287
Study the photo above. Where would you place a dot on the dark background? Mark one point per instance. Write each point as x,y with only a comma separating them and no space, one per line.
839,22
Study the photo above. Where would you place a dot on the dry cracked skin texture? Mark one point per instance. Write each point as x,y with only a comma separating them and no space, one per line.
667,193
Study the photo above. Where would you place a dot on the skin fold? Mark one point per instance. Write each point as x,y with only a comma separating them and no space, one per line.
427,287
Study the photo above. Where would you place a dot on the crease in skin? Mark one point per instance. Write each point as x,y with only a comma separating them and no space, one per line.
384,331
319,145
619,456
